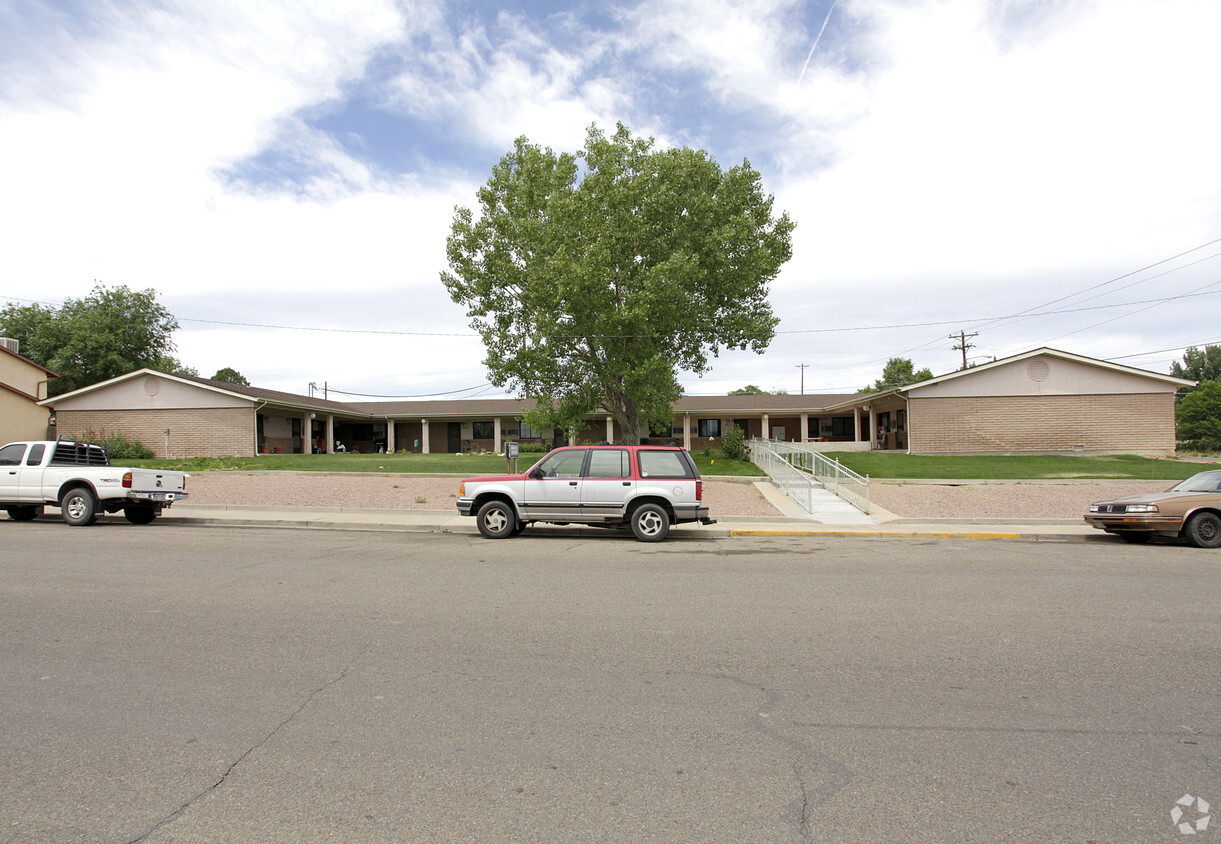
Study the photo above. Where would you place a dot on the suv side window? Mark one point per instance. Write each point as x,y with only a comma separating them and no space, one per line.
663,464
564,464
11,455
609,463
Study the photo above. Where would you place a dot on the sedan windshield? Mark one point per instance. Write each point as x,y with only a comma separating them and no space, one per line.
1203,482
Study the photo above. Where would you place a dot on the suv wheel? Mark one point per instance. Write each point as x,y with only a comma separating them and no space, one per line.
650,522
496,520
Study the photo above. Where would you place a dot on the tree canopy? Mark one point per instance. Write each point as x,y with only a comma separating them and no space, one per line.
1199,365
1198,417
594,277
752,390
898,372
110,332
230,376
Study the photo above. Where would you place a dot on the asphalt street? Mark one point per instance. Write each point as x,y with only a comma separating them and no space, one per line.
184,683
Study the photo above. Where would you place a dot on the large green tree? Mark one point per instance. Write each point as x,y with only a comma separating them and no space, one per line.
110,332
1198,417
230,376
1199,365
594,277
898,372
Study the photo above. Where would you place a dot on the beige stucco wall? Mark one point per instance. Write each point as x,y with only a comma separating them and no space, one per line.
151,392
1043,375
21,418
21,375
1127,423
194,432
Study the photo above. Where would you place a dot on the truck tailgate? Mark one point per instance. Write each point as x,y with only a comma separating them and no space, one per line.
154,480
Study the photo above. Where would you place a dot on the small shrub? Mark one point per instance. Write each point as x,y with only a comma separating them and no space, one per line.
532,448
733,444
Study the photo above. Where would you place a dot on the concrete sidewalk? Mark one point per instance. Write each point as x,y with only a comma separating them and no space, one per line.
447,521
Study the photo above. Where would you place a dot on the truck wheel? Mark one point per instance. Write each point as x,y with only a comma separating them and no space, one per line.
24,513
79,507
140,515
1204,530
650,523
496,520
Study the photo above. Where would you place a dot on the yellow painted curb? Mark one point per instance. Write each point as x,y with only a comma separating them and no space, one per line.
897,534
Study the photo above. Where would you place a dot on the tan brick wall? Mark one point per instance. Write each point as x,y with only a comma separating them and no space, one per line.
203,432
1114,424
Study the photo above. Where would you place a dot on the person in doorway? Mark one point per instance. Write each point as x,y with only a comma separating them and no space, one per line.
340,448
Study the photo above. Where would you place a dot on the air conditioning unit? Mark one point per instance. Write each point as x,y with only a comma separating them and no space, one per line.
10,344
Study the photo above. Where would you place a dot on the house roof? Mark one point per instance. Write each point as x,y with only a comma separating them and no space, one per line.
866,398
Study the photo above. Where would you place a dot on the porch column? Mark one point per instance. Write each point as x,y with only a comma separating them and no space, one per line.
805,427
496,435
330,434
687,431
610,430
389,435
307,433
873,428
766,435
424,436
856,424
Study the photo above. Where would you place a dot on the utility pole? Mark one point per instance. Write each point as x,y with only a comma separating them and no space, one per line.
802,367
961,337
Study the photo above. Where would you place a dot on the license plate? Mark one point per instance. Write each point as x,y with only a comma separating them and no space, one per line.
163,496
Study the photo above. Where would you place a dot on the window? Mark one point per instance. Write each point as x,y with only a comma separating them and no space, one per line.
609,463
709,427
563,464
35,456
843,426
11,455
744,424
483,431
664,464
528,433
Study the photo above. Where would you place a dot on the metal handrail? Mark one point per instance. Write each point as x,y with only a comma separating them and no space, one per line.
798,469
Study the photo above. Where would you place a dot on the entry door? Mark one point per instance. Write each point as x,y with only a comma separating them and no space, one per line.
453,437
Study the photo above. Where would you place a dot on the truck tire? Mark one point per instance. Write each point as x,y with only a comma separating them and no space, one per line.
23,512
140,515
650,522
1204,530
79,507
496,520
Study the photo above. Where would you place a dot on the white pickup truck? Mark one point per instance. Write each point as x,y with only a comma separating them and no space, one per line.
78,478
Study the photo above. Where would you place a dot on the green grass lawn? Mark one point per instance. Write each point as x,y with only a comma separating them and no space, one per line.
876,464
889,464
460,464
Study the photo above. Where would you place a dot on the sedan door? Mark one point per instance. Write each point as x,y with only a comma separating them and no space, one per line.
556,495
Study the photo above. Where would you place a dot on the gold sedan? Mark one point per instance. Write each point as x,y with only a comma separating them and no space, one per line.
1190,508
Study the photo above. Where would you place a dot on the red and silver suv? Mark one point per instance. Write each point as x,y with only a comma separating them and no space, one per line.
649,488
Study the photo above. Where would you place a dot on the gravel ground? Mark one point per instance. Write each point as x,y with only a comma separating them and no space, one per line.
1029,500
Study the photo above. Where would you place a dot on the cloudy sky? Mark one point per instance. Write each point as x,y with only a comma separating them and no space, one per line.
1031,172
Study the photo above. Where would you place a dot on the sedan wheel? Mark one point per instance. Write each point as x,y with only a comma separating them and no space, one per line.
650,523
1204,530
496,520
